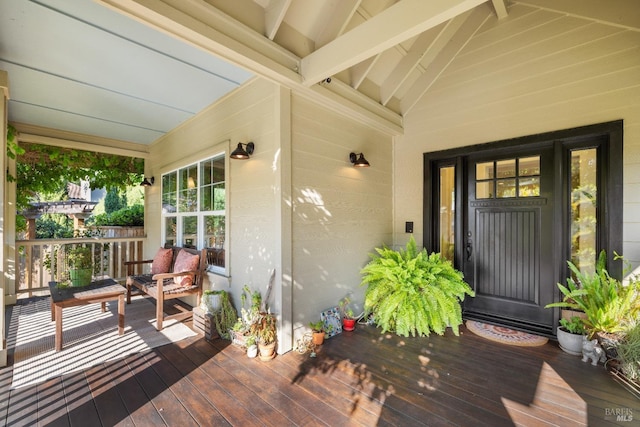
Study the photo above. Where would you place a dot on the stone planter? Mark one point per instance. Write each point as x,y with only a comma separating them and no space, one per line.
570,343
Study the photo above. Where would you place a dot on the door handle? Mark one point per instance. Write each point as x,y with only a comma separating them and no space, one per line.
469,250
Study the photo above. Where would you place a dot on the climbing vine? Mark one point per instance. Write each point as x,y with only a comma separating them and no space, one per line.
42,169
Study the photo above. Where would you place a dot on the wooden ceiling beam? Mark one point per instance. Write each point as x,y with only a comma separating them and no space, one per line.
273,15
396,24
501,8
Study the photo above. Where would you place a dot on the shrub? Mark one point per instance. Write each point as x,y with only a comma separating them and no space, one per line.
411,292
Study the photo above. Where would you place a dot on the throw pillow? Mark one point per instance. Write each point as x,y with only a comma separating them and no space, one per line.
162,261
185,262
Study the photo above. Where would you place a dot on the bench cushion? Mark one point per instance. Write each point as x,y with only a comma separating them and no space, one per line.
185,262
162,261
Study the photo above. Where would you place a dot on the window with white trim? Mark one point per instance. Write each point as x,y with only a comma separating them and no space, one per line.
194,208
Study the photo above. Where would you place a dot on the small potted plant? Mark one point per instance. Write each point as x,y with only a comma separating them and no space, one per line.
80,260
348,318
571,334
265,330
317,331
252,347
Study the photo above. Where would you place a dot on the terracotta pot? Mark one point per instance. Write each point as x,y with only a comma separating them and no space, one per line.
348,324
318,338
267,351
570,343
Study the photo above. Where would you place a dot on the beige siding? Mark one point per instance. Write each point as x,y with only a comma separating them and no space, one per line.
537,71
245,115
340,213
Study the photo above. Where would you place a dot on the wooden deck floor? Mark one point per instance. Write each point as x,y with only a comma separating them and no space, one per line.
359,378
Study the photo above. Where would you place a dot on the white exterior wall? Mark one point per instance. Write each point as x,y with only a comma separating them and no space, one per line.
340,213
532,73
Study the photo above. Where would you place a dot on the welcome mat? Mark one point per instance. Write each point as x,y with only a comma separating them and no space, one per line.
89,337
505,335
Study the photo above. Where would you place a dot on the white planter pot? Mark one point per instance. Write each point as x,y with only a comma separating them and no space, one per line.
252,351
570,343
211,303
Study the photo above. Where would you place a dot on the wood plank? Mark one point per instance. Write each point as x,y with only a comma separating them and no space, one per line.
110,407
202,411
80,407
140,409
164,400
52,409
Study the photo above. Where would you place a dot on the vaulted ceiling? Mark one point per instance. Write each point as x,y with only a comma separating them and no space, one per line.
135,79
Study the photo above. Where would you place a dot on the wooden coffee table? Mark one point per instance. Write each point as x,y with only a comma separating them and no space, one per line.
98,291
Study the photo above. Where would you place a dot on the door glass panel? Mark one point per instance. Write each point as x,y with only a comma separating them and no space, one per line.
529,187
484,170
447,211
484,190
506,188
584,191
528,166
506,168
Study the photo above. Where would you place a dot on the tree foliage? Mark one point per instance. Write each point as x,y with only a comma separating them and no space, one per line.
125,217
42,169
413,293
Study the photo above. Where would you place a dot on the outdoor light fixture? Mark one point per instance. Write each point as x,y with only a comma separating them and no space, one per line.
241,153
147,182
358,162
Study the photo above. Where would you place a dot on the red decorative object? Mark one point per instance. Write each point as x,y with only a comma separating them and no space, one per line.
162,261
348,324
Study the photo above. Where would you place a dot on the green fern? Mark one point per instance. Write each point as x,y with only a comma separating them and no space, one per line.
413,293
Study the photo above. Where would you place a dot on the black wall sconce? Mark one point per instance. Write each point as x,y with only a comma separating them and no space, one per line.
147,182
242,153
358,162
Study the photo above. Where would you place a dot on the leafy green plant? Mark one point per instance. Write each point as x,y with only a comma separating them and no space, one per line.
610,306
413,293
344,306
224,319
575,325
80,257
317,326
629,352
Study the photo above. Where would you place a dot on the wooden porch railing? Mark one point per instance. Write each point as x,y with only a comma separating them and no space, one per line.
38,261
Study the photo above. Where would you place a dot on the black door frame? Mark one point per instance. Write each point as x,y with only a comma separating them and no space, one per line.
610,202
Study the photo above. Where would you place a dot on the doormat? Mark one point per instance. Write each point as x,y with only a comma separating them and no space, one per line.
505,335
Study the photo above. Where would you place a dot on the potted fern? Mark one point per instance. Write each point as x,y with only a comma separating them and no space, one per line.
609,305
410,292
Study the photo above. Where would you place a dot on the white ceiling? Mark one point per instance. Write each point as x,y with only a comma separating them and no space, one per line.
78,66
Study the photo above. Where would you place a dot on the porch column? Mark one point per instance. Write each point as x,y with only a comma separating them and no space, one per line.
7,234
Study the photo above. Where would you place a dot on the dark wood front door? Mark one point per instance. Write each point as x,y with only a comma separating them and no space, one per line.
508,252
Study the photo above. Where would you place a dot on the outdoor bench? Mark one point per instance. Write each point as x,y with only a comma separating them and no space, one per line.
173,280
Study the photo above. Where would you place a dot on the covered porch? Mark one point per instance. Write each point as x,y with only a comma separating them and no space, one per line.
357,378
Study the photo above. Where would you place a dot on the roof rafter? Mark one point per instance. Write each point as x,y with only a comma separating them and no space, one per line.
339,19
273,16
400,22
471,25
500,8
